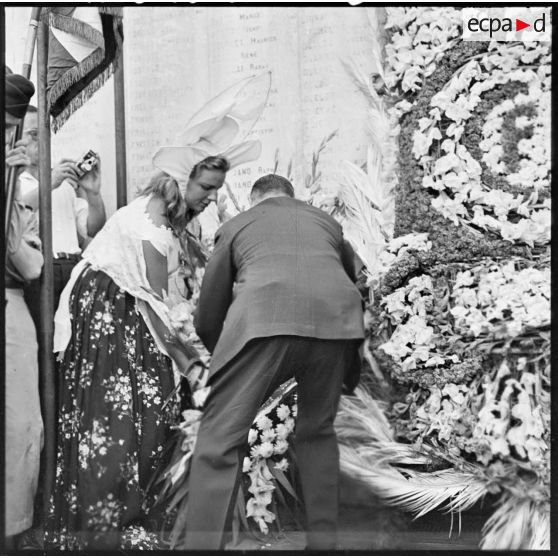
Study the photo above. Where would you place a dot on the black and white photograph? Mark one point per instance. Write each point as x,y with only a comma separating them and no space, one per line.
276,278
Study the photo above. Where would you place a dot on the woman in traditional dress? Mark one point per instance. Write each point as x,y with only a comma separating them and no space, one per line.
116,374
115,405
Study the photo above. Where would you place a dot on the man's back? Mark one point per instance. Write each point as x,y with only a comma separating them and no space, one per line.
292,275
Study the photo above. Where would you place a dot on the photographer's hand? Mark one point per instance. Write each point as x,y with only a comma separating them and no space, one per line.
90,182
65,170
90,189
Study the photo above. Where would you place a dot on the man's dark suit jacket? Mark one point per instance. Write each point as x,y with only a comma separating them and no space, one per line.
280,268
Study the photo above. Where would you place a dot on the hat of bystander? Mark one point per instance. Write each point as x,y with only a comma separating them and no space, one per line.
19,91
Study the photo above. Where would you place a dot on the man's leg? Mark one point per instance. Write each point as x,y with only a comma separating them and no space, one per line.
237,391
320,372
62,271
32,296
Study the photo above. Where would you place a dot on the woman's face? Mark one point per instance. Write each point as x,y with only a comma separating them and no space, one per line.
202,190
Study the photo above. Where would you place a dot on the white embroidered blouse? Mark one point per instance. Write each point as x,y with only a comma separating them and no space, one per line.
117,249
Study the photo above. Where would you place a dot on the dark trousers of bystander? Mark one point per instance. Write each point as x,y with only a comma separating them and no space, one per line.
61,269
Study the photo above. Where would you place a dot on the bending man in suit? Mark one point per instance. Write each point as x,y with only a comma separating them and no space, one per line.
278,300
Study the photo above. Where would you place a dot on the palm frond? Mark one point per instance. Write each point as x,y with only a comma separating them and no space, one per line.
362,228
376,35
381,191
517,524
419,493
367,196
378,124
362,411
540,526
362,83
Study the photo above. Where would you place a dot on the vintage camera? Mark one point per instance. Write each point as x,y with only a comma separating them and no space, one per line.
87,162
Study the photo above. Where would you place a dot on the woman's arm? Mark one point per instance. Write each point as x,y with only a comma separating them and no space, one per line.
157,275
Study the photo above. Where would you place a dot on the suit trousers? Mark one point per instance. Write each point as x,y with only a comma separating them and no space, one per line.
237,392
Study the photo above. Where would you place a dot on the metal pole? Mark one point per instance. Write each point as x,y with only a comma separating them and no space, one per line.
26,73
120,132
46,330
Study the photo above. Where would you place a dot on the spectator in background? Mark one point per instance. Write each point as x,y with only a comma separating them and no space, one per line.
24,425
78,211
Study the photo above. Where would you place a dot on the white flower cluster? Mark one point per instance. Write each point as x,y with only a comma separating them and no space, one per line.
502,419
400,245
136,537
534,152
413,342
500,300
267,442
443,410
181,321
510,419
189,428
463,198
421,35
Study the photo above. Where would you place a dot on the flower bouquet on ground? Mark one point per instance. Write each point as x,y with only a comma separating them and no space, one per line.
265,466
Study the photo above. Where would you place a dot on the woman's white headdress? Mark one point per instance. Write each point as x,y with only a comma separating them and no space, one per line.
219,128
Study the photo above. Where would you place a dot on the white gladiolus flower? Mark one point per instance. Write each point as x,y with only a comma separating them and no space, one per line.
283,412
281,447
266,449
252,436
282,432
282,465
246,464
290,423
199,396
264,422
255,452
268,435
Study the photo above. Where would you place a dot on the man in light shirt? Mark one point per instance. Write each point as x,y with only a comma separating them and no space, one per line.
78,211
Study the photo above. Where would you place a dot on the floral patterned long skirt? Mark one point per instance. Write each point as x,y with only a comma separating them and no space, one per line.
112,421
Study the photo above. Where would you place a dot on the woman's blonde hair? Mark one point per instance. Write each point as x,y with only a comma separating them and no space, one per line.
166,188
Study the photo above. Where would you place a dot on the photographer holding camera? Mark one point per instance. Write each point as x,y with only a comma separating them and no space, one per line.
78,211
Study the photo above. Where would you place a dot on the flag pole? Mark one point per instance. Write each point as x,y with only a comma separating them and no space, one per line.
26,73
46,330
120,132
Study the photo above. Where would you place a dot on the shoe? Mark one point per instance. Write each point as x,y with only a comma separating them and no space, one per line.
32,539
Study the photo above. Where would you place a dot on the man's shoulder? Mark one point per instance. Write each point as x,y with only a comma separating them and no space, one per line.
242,219
319,215
233,225
274,205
